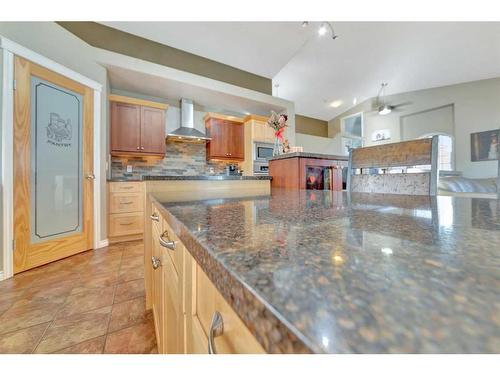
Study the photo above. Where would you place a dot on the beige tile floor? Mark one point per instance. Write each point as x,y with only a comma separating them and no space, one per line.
92,302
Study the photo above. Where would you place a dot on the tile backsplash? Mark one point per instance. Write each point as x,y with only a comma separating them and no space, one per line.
181,159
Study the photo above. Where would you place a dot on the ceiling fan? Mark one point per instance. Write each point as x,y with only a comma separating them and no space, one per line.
380,104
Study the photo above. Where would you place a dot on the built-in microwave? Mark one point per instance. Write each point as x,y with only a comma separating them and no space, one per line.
262,151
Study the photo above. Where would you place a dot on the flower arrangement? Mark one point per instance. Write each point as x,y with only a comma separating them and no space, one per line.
278,124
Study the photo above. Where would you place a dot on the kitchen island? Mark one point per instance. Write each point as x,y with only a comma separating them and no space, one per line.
306,170
323,271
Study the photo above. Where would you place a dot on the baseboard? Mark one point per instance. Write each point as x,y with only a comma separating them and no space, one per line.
102,243
119,239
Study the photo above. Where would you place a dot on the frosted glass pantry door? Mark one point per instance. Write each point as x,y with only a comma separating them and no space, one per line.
53,166
56,161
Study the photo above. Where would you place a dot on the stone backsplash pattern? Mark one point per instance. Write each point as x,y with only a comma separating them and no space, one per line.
181,159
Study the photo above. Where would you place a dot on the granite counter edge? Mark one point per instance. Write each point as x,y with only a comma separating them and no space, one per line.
258,316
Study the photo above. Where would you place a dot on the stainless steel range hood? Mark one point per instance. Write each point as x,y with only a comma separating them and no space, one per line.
186,132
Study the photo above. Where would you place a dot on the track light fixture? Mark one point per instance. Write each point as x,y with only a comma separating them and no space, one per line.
323,29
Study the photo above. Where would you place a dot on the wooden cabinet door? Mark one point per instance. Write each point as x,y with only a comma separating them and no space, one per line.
227,140
262,132
236,338
200,306
152,130
125,127
173,315
236,145
158,290
217,147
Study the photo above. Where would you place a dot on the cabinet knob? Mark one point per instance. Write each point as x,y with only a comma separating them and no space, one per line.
155,262
138,148
216,329
142,147
155,217
165,241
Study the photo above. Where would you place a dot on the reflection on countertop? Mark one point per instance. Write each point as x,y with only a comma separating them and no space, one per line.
358,273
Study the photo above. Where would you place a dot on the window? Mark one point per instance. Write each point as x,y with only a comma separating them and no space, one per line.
352,131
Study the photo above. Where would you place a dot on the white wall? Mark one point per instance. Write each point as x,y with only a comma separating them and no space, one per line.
476,108
320,145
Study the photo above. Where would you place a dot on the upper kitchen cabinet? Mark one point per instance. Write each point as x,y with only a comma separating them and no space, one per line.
258,128
228,139
137,127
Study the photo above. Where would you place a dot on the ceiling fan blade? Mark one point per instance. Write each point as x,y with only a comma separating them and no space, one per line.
400,104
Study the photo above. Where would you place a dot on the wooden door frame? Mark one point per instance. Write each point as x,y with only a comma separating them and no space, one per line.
9,49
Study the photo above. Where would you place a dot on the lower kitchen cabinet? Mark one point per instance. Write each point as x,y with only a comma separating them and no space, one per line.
187,307
157,286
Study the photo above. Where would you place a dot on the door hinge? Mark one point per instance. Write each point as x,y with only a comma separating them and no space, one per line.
14,85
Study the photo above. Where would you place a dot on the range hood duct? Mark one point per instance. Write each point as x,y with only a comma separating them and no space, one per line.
186,132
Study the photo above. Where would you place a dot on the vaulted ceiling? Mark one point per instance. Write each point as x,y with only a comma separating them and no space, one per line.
316,71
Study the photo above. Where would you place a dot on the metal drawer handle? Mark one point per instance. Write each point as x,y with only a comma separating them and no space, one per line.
166,242
216,330
155,217
129,202
156,262
127,223
126,187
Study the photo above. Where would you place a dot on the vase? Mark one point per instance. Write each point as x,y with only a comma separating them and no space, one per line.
278,146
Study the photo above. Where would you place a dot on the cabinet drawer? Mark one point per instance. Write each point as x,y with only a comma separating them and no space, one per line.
125,202
125,187
126,224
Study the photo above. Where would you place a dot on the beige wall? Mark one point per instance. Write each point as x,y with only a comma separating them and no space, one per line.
476,108
311,126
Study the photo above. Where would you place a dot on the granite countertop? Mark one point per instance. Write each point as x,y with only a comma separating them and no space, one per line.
309,155
190,178
321,271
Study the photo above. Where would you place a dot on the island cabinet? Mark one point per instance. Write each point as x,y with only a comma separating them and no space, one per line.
137,127
190,315
227,137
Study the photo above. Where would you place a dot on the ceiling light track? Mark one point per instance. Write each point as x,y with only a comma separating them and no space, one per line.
323,29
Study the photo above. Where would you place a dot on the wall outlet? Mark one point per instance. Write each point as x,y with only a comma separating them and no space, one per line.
129,169
211,170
